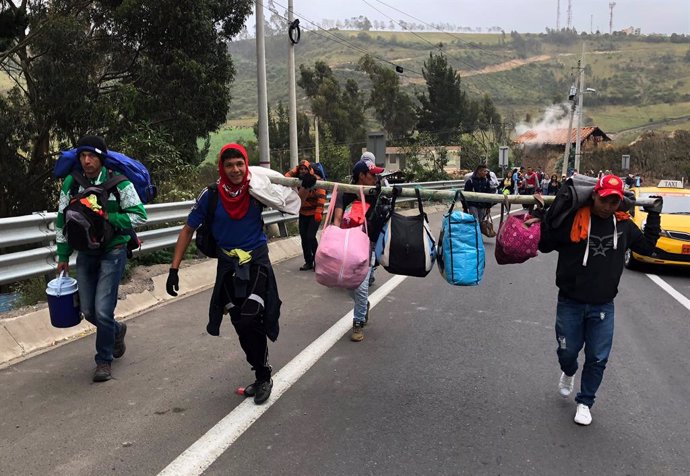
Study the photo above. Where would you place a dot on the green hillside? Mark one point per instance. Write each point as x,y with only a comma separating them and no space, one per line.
641,82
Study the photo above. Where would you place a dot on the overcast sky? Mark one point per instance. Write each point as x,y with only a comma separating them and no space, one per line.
651,16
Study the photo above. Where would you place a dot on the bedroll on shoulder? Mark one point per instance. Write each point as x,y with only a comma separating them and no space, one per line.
134,170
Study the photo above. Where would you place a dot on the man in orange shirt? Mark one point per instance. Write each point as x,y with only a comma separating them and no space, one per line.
311,213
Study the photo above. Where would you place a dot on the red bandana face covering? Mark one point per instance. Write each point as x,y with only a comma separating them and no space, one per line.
235,198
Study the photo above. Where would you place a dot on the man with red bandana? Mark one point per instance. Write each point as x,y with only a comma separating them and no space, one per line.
245,286
591,244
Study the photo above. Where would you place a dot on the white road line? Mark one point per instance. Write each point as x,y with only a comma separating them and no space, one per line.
195,459
669,289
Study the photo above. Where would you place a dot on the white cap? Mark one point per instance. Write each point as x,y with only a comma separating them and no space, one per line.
368,157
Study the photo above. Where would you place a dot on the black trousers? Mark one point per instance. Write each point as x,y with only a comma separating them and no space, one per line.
246,315
308,226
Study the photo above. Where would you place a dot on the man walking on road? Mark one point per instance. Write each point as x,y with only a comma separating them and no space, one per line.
245,285
591,245
311,212
348,213
99,270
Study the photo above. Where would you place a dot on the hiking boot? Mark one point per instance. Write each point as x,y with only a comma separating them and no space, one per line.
357,331
583,416
565,385
120,347
366,316
262,391
102,373
306,267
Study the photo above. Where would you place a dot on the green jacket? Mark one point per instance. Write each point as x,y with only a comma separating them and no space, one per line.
128,213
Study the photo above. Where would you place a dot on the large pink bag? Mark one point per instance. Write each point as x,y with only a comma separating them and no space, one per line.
343,257
516,243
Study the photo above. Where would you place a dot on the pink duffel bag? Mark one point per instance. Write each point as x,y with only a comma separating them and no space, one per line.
515,242
343,257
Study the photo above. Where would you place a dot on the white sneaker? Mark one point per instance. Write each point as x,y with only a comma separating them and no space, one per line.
583,416
565,385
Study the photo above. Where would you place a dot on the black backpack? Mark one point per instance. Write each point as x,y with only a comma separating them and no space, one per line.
87,229
205,242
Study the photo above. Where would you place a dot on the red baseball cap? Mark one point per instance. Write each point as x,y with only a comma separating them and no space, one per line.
608,185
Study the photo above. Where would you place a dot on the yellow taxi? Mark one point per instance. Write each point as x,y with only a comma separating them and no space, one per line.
673,247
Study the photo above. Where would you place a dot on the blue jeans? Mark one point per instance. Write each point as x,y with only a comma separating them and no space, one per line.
361,297
99,277
591,325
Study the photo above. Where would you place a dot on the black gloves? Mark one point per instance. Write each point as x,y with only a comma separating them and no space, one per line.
658,205
308,180
173,283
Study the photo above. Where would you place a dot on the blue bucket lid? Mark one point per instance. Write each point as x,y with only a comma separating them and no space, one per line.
62,285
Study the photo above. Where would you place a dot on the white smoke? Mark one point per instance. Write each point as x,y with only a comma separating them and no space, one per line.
554,117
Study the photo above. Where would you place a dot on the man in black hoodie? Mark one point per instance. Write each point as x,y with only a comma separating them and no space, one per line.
591,245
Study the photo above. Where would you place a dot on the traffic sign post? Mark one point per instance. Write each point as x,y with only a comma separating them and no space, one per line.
503,158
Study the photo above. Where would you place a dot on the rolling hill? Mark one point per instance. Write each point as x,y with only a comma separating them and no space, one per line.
641,82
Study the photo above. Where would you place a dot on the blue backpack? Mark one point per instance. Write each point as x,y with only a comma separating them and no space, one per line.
460,254
319,170
134,170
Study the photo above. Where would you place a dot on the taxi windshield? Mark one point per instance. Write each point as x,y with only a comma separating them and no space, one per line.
674,202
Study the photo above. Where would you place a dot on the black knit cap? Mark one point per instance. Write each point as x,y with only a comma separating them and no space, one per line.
93,143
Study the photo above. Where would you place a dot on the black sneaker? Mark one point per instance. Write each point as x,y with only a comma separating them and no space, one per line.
306,267
371,280
120,347
102,373
250,390
263,391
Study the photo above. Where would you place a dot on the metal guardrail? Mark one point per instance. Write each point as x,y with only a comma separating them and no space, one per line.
39,228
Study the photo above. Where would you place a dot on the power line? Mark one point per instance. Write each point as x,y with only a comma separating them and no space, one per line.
482,81
471,45
342,40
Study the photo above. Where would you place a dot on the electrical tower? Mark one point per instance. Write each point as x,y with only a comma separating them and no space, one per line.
558,15
570,14
611,5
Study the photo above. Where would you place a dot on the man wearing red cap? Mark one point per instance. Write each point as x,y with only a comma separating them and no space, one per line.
245,285
591,244
349,212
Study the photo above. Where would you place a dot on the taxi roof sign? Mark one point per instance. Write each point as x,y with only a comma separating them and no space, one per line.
670,184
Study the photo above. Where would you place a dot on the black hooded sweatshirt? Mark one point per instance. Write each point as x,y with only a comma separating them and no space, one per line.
597,281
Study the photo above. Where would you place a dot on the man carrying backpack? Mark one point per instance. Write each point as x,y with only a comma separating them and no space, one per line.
245,286
94,218
591,242
311,212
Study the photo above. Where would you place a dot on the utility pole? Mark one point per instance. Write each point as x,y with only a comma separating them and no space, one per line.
581,95
611,5
264,151
569,132
558,15
570,14
316,137
292,94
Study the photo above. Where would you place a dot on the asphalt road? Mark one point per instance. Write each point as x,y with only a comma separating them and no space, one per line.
449,380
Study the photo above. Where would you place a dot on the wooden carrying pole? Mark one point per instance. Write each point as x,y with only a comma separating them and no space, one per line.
429,194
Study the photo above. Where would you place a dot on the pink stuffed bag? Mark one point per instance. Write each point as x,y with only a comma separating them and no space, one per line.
515,242
343,257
